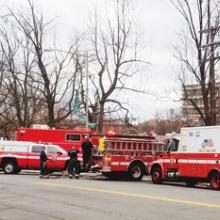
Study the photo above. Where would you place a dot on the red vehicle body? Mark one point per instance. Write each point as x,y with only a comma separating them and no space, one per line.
193,157
127,154
130,155
18,155
64,138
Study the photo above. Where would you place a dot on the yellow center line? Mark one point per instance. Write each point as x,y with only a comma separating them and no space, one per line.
143,196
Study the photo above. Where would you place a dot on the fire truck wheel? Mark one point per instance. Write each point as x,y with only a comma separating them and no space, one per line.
136,171
156,176
9,167
215,180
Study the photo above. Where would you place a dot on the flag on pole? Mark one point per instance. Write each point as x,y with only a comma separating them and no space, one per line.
76,102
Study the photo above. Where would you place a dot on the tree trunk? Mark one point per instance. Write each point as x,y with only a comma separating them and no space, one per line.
101,117
51,118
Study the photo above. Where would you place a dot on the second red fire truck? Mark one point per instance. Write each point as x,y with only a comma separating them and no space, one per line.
130,155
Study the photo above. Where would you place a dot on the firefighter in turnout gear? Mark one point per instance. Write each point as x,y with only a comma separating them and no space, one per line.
43,163
74,164
87,149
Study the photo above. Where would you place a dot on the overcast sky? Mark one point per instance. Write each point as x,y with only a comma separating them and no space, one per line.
158,22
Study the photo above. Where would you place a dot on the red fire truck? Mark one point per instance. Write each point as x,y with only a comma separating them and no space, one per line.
17,155
123,154
193,157
131,155
64,138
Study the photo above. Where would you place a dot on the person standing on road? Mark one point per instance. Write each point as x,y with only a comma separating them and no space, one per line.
43,162
74,165
87,153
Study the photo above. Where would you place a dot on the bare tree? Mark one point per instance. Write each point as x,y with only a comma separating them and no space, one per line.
57,69
197,55
20,97
115,51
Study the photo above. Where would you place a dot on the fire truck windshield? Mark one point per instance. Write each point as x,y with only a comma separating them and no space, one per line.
174,145
171,145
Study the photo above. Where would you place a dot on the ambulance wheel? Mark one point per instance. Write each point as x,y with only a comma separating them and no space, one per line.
9,167
136,171
156,175
215,180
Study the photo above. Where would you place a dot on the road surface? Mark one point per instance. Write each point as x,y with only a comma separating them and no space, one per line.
26,196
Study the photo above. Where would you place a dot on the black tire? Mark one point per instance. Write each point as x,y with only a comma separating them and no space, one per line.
214,180
10,167
136,171
156,176
191,183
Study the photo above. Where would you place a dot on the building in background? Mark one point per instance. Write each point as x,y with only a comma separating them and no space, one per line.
188,111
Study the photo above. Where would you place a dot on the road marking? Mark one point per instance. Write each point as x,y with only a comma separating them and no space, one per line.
143,196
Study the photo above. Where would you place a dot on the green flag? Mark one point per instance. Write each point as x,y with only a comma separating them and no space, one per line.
76,102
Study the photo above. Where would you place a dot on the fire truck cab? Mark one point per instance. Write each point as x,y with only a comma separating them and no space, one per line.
192,157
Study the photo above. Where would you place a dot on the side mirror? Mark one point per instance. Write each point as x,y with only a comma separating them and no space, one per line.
60,153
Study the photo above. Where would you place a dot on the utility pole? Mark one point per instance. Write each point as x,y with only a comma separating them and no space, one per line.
212,77
87,91
212,32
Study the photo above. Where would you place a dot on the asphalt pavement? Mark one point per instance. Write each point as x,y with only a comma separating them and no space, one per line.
26,196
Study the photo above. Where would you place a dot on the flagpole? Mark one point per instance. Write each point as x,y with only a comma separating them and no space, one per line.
87,91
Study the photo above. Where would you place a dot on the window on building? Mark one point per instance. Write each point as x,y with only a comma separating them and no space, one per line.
72,137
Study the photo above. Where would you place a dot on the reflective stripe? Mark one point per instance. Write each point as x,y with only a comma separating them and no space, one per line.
199,161
124,163
182,161
31,157
191,161
115,163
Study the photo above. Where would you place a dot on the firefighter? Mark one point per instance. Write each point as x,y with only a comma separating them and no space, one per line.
43,163
87,153
101,145
74,164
